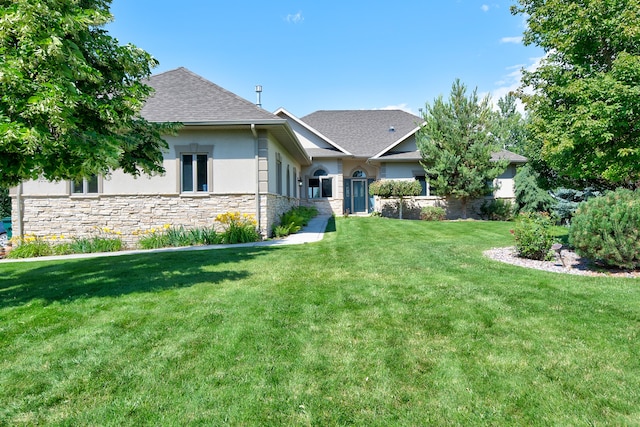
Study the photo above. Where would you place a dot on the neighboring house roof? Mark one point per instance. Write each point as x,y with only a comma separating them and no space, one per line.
183,96
364,133
508,155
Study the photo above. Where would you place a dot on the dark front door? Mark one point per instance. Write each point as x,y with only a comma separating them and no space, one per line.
359,195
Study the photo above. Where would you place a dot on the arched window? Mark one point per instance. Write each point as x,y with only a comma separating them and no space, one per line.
320,185
359,174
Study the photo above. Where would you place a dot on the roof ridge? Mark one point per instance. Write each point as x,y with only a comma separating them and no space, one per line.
228,92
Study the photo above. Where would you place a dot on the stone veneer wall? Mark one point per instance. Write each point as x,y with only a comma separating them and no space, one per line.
325,206
271,207
79,216
412,207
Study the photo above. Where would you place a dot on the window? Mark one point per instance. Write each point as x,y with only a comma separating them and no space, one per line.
426,189
194,172
295,183
359,174
288,182
85,185
320,185
278,174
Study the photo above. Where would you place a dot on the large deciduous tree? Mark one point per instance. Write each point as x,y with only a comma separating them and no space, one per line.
70,95
456,144
586,95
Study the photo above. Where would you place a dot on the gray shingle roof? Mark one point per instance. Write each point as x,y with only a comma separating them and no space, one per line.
364,133
183,96
509,155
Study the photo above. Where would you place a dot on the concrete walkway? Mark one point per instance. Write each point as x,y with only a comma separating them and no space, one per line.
312,232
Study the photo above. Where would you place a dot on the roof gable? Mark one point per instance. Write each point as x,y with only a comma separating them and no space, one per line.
183,96
364,133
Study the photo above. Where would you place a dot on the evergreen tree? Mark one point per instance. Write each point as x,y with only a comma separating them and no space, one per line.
456,144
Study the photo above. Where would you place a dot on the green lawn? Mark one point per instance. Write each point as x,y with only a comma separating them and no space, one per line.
384,322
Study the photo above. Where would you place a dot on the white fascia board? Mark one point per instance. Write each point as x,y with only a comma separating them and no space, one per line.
310,129
395,144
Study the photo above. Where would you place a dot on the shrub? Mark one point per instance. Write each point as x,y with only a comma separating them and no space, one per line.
169,236
529,197
31,246
533,236
497,210
293,220
94,244
432,213
567,202
399,189
239,228
607,228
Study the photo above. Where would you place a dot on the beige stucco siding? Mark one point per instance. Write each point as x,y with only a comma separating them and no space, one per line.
402,170
276,149
505,184
407,145
307,138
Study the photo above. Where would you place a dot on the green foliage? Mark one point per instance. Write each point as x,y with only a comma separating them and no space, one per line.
5,203
432,213
607,229
293,220
179,236
533,236
30,248
395,188
238,228
456,144
568,200
33,246
94,244
389,188
510,127
585,91
71,95
497,210
529,197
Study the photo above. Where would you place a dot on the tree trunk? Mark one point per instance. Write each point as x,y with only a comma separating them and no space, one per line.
463,207
400,207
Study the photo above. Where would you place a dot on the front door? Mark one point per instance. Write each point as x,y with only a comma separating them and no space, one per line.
359,195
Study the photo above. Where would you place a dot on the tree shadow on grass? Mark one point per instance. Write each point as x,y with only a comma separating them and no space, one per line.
68,280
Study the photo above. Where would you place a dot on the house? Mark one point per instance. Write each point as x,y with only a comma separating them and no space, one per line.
350,149
229,156
232,155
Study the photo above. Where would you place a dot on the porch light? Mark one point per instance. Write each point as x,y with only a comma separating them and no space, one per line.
299,182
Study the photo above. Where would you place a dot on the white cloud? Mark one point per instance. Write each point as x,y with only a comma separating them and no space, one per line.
294,18
403,107
485,7
515,40
511,82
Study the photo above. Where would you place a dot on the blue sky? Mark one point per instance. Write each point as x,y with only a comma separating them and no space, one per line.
329,55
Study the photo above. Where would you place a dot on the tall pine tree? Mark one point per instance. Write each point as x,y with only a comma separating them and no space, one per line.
456,144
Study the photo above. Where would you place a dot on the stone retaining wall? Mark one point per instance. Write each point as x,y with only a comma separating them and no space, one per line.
412,207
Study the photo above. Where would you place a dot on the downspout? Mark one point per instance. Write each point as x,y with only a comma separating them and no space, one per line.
257,158
19,206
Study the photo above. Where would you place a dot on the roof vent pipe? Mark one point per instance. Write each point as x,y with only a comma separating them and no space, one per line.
258,95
